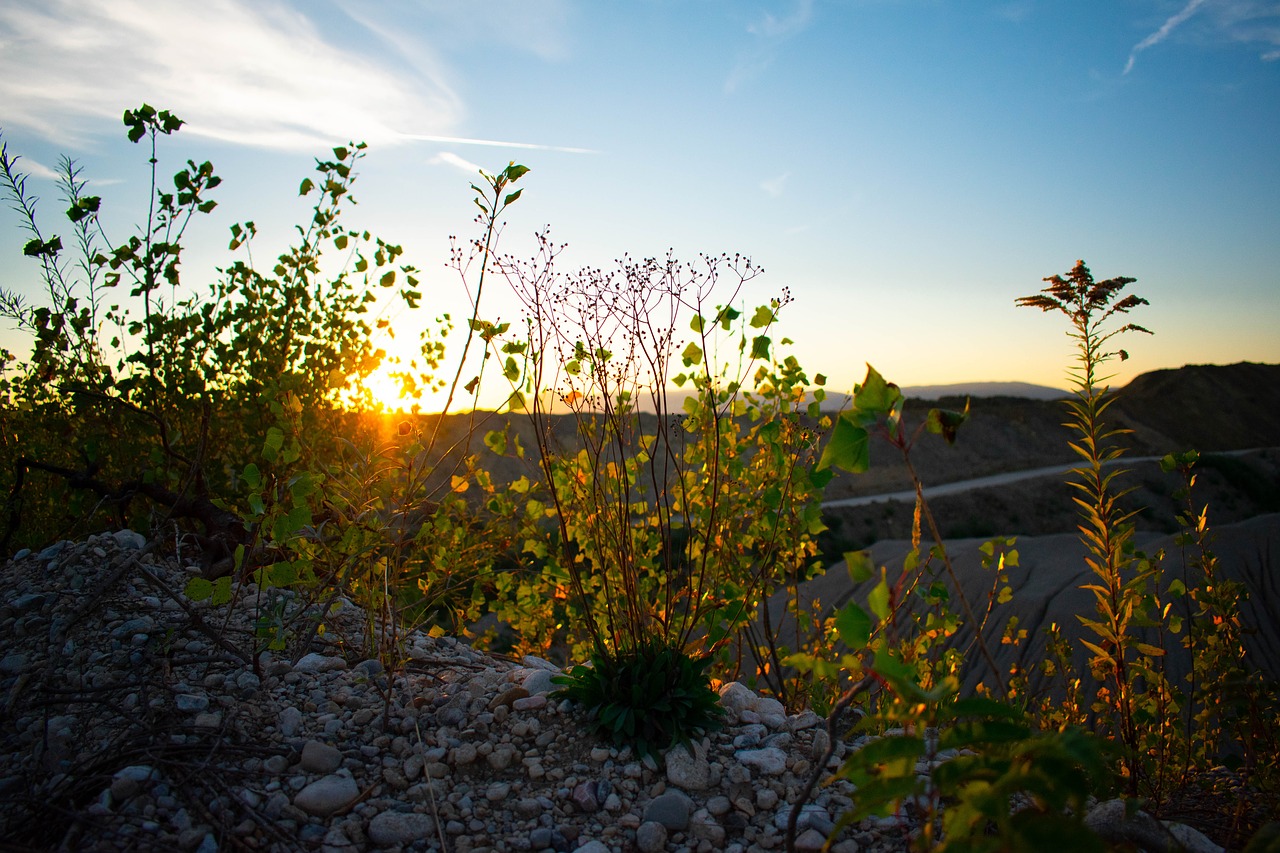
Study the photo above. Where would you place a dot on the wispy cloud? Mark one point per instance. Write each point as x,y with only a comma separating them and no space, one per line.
260,73
768,32
1250,22
35,169
1221,22
451,159
1161,34
775,186
772,27
495,143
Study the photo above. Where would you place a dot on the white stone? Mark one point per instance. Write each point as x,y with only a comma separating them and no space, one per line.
325,796
690,771
388,828
770,761
130,539
736,697
315,662
290,719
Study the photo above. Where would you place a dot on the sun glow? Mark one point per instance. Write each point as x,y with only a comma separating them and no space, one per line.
388,394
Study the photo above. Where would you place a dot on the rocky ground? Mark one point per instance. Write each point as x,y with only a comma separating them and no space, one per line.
136,719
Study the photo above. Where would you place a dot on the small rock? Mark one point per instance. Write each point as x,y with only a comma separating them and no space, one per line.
325,796
812,816
770,761
529,703
317,663
50,553
191,703
670,809
810,841
290,719
584,797
247,683
388,828
806,719
1111,822
463,754
130,539
651,837
208,720
29,601
537,682
1192,839
690,771
736,697
506,697
319,757
129,781
276,765
370,668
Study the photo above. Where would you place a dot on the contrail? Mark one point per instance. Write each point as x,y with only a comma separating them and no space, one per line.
1162,33
497,144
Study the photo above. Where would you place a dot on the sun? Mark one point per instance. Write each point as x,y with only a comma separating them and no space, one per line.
386,391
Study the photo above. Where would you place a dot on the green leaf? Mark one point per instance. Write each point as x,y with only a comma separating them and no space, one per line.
271,446
763,317
878,598
945,422
692,354
221,591
496,440
697,323
875,395
860,565
853,625
760,347
251,476
512,197
902,675
198,589
848,447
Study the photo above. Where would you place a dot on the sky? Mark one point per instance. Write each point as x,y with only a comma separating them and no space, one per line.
905,168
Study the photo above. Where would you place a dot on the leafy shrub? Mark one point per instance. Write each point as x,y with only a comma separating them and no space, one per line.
142,409
649,698
669,526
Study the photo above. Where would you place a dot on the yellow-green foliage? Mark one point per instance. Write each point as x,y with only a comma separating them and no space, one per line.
671,486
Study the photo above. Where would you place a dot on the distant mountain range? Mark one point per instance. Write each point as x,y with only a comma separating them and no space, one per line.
1018,390
984,389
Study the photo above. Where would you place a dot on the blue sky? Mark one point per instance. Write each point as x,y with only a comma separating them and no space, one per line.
906,169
